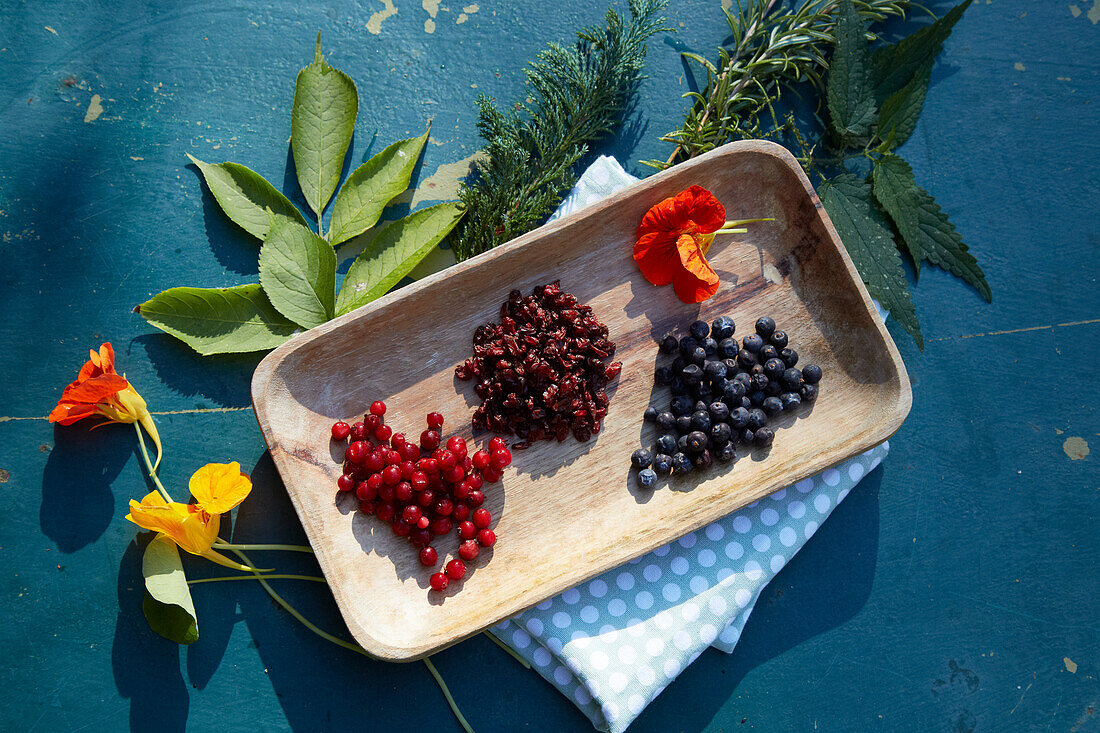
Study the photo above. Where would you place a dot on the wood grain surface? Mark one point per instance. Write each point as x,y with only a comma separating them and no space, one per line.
567,511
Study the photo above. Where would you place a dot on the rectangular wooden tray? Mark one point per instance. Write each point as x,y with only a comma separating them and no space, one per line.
566,512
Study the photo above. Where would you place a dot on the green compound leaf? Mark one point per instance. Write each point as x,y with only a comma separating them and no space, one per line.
218,320
321,125
371,186
245,196
394,253
900,111
167,604
298,273
866,235
924,228
848,91
896,64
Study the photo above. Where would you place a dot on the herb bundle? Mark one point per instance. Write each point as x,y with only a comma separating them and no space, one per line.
297,287
578,95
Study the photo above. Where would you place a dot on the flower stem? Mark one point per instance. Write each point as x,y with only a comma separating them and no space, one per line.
510,650
268,576
447,694
728,226
220,545
149,465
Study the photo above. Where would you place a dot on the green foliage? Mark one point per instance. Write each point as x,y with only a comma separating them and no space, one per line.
321,124
297,267
895,65
577,95
849,95
167,603
898,117
218,320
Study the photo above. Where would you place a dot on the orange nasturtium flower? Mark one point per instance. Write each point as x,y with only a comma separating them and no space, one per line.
672,242
99,391
217,488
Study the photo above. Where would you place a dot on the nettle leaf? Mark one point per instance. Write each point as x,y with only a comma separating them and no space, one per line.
321,125
924,228
371,186
245,196
167,604
298,273
394,252
218,320
898,117
896,64
866,235
848,91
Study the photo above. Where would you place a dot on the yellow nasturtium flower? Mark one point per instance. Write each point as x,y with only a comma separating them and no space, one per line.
217,488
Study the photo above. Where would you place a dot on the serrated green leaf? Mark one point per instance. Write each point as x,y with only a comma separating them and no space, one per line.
866,235
895,65
394,252
924,228
167,604
371,186
245,196
321,124
298,274
848,91
898,117
218,320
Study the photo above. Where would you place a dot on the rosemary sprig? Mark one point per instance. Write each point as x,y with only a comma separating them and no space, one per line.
774,46
578,95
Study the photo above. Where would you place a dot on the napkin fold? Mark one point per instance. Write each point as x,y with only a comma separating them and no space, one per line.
612,644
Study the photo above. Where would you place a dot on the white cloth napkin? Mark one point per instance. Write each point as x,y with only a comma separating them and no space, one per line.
614,643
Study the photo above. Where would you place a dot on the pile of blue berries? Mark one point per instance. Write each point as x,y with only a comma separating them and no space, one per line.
723,394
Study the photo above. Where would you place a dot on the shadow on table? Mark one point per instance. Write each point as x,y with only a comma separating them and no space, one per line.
225,379
823,586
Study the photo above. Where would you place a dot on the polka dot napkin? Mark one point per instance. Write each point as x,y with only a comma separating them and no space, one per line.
614,643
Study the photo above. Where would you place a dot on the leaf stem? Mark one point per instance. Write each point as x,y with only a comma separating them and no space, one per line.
149,465
268,576
447,694
510,650
220,545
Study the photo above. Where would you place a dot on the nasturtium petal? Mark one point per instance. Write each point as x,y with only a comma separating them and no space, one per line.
218,487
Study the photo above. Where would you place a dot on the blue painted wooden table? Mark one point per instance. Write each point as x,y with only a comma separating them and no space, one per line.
955,589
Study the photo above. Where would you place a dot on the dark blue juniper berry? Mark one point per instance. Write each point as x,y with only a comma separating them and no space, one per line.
725,453
764,436
768,352
710,346
681,405
720,434
702,391
667,444
739,418
808,392
779,339
700,420
681,463
683,424
790,357
747,436
811,373
696,441
722,328
699,330
698,356
662,464
772,406
745,359
647,478
728,348
757,418
714,370
791,401
641,458
733,393
682,444
650,414
677,387
719,411
756,398
669,344
792,378
765,326
758,382
702,459
687,345
774,368
663,375
752,343
666,421
692,374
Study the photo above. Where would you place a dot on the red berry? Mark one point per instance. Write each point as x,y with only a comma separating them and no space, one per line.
350,468
468,550
440,526
429,440
423,523
391,475
401,528
428,465
340,430
383,433
467,530
438,581
456,569
475,499
497,443
378,408
447,460
403,491
435,420
397,440
482,518
443,507
367,507
419,480
467,464
492,475
375,482
425,498
357,451
474,480
480,459
408,468
385,512
500,458
428,556
420,537
387,493
456,445
487,538
409,451
392,457
370,423
461,513
358,431
455,474
376,461
365,492
411,514
345,483
461,490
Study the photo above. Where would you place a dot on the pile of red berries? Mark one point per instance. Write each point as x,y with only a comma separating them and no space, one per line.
425,489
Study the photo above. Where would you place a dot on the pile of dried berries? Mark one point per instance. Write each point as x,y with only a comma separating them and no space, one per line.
723,395
540,372
424,491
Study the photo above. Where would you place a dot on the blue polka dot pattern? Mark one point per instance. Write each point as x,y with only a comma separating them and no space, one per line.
614,643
